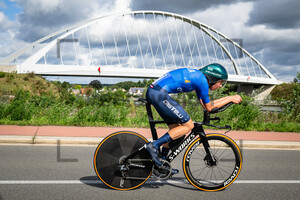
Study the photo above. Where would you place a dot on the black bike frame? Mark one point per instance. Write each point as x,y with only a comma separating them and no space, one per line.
197,130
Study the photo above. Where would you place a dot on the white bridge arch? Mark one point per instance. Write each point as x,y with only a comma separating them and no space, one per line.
142,44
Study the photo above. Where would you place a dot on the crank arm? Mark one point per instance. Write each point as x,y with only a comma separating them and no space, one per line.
139,160
140,163
136,165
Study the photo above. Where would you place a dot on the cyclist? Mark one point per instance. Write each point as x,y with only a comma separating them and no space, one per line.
212,76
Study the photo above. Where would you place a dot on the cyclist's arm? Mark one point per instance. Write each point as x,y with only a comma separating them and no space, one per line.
222,101
202,104
202,93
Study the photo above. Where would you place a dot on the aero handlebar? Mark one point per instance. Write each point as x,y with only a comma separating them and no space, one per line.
207,118
216,110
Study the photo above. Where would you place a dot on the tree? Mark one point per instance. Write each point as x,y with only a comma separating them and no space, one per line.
78,87
297,78
125,85
65,85
96,84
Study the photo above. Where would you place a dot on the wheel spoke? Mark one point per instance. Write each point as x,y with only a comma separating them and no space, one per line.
220,173
200,169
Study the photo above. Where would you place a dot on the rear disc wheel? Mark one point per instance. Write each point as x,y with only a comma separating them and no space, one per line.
108,161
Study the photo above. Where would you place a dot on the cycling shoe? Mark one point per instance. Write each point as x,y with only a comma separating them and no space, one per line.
174,171
153,153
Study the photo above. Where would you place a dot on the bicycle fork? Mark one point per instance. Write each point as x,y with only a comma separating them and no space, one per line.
209,158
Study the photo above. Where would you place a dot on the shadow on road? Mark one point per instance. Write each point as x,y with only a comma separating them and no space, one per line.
93,181
178,182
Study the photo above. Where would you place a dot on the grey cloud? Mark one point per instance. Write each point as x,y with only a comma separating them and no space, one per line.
279,58
252,44
37,22
284,72
276,14
179,6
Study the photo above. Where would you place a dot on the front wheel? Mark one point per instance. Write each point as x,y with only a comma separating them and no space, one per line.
212,176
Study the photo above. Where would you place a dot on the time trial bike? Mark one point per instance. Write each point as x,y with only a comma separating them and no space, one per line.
211,162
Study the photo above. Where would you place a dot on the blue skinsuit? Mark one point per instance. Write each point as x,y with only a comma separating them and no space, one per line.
176,81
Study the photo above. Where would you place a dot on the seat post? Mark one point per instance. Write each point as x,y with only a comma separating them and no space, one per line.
151,121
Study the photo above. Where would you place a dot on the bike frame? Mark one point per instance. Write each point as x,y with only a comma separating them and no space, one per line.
197,131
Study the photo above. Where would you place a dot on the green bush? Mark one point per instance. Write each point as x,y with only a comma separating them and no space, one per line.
84,115
288,95
67,97
2,74
113,115
243,114
58,114
107,114
80,102
138,116
3,111
110,97
20,108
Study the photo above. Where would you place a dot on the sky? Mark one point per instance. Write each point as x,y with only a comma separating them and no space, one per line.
271,27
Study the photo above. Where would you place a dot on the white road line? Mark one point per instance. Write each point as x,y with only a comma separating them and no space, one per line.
96,182
48,182
267,181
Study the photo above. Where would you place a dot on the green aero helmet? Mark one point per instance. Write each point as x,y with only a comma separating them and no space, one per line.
214,72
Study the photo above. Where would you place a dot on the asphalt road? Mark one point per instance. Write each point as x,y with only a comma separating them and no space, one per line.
66,172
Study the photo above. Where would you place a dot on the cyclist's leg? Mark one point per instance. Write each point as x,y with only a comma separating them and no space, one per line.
180,130
167,107
169,110
167,146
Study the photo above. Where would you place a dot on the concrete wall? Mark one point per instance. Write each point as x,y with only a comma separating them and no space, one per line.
264,90
245,88
8,68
